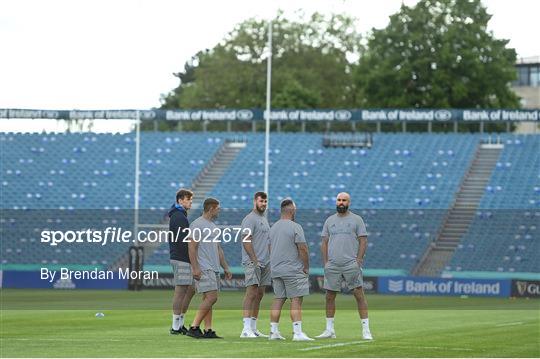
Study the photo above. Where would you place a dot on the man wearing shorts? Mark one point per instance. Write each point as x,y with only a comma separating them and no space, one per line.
344,242
289,265
179,258
255,260
206,255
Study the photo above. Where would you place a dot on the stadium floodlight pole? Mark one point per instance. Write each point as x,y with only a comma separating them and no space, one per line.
268,89
137,164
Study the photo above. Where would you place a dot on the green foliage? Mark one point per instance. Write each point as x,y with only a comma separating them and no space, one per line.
309,64
438,53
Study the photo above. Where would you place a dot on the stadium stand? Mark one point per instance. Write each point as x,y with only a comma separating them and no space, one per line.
21,231
503,237
402,187
86,180
515,183
500,240
400,171
96,171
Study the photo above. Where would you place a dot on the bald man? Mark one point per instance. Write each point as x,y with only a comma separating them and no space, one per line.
289,265
344,243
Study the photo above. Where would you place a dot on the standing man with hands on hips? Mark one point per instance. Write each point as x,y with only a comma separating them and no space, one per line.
344,243
256,262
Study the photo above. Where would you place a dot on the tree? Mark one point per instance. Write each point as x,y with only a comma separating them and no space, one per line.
310,64
186,77
437,54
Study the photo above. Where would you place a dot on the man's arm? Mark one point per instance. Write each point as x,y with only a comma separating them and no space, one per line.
193,247
303,253
223,263
247,243
248,247
324,249
176,224
325,237
362,241
183,223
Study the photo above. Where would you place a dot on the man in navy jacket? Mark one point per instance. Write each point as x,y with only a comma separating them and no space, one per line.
179,258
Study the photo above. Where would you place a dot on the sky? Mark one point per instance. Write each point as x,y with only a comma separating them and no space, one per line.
119,54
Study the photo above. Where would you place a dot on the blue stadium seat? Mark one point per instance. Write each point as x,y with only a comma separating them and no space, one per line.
402,187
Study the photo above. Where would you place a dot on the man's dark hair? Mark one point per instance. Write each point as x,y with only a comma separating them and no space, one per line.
260,194
183,193
210,203
286,203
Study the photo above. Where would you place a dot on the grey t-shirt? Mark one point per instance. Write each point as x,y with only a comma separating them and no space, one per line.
284,258
343,233
258,225
208,253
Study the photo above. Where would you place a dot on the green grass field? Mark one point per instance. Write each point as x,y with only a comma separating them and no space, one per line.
54,323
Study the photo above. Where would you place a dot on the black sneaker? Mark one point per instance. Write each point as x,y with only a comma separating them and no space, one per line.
183,330
210,334
195,332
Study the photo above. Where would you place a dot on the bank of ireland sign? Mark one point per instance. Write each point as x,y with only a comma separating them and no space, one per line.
443,286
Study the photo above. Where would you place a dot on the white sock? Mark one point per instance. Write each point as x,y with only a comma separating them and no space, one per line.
247,323
176,322
329,323
253,323
297,327
365,324
181,320
274,327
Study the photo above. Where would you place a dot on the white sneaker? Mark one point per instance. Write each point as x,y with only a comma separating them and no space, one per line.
301,337
276,336
248,334
259,334
366,335
327,334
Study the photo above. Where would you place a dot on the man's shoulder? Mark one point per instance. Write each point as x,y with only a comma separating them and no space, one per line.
276,224
178,219
283,224
332,217
355,216
177,213
250,217
199,221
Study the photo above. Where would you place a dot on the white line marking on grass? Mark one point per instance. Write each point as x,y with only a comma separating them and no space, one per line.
386,346
125,340
70,340
333,345
508,324
423,347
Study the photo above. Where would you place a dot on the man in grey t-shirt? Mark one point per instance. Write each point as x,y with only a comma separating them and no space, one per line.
289,266
256,263
344,242
206,256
